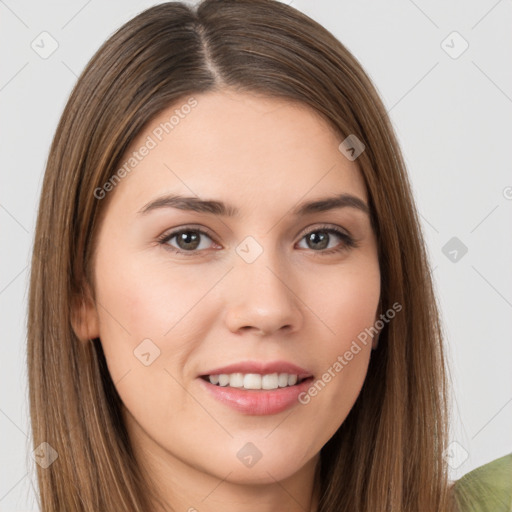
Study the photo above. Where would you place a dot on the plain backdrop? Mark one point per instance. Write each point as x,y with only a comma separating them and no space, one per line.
443,71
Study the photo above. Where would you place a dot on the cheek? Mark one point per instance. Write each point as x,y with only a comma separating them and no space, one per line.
149,321
146,299
346,306
344,301
147,332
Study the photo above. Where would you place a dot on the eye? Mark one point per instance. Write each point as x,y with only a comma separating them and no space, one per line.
320,239
188,240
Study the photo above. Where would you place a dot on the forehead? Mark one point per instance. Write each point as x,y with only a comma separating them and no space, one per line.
257,151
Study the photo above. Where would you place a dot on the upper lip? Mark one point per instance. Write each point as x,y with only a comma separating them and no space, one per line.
261,367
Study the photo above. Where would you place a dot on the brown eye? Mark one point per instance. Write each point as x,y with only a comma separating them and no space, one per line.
319,240
187,240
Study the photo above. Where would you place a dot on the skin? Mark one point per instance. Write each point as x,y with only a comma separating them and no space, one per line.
212,308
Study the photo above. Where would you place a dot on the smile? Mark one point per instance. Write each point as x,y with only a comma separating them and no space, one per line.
257,401
254,380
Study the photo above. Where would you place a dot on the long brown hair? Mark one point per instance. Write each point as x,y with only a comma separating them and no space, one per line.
388,453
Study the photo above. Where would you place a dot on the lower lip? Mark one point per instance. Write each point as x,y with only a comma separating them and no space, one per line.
257,401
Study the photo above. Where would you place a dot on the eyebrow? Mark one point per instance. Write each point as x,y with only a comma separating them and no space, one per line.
225,210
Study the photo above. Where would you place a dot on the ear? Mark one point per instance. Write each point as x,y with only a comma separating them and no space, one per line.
84,316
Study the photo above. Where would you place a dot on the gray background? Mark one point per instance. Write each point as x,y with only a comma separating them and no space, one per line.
452,111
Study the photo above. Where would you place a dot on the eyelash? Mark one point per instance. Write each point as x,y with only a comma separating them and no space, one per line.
348,241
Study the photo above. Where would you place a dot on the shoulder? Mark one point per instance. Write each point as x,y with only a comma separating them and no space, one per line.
487,488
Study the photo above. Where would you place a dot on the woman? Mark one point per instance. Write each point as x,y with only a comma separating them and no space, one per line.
230,302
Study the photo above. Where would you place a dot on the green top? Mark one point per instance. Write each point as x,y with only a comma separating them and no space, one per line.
487,488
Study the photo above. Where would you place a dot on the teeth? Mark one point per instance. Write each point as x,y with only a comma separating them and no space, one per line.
223,379
254,380
236,380
270,381
282,380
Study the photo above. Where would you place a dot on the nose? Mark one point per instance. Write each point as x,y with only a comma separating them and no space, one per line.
263,298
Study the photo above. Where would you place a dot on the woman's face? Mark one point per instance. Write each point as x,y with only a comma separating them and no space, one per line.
268,289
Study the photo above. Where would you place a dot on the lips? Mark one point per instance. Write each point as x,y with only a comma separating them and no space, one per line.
260,367
262,397
257,402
